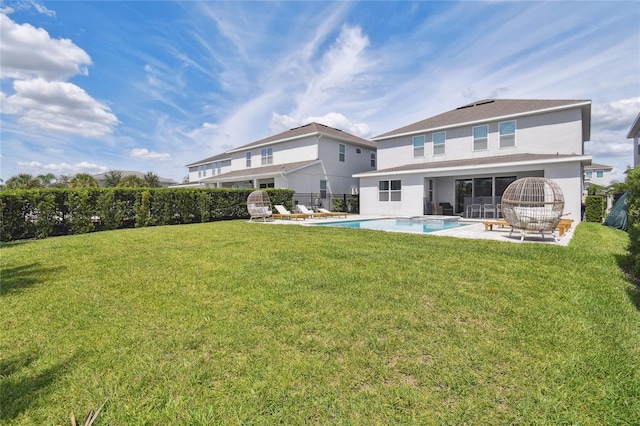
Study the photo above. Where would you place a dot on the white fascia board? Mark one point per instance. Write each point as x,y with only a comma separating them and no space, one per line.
584,159
490,119
200,163
249,148
257,176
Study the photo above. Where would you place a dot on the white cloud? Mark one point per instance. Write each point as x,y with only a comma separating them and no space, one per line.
64,168
615,115
145,154
59,107
29,52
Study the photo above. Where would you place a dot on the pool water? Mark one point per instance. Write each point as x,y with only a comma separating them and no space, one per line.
395,225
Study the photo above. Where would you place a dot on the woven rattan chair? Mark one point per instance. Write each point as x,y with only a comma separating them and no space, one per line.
533,204
259,205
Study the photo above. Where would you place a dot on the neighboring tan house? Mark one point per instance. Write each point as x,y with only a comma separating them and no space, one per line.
312,159
101,177
634,132
472,153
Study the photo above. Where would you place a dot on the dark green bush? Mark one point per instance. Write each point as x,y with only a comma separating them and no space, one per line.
594,208
633,215
39,213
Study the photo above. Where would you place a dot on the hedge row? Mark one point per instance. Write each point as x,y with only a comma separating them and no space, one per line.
633,216
39,213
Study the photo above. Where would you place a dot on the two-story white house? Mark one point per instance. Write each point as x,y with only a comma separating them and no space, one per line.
471,154
312,159
597,174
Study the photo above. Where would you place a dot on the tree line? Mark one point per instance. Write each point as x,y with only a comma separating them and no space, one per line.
113,179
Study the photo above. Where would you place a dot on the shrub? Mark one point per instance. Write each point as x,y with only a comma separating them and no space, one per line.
39,213
633,216
594,208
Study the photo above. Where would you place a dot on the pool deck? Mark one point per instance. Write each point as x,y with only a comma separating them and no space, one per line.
475,230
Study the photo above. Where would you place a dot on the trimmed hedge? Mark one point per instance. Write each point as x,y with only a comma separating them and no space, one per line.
633,216
39,213
594,208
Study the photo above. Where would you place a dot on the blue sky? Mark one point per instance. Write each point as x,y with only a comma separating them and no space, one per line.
89,87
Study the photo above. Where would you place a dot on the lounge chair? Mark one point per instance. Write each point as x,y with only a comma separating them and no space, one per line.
283,213
304,210
332,214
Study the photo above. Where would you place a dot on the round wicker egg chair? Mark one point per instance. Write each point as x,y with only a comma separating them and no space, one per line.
259,205
533,204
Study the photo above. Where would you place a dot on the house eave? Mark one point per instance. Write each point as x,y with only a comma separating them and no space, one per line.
582,105
585,160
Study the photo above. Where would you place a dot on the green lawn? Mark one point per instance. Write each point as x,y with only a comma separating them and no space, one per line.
245,323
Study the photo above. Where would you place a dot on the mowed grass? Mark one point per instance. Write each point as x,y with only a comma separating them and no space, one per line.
244,323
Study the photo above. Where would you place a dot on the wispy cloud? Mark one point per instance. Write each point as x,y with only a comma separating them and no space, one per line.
145,154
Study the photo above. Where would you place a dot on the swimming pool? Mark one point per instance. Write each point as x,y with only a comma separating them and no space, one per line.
395,225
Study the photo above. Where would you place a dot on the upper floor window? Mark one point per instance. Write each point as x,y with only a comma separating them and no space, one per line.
389,190
373,158
480,138
216,168
507,134
418,146
267,156
342,153
247,157
588,174
438,143
358,151
599,174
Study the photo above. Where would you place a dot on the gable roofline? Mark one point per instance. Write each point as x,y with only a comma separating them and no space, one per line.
219,157
493,110
310,129
595,166
635,128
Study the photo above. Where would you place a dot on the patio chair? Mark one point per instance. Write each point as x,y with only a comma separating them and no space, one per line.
474,209
489,208
332,214
304,210
283,213
259,205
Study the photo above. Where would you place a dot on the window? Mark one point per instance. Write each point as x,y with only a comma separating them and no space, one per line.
480,138
216,168
358,151
389,190
588,174
418,146
323,189
373,159
267,156
438,143
247,156
507,134
599,174
202,171
342,152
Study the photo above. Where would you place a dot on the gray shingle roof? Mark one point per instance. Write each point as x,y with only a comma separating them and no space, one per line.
297,132
489,109
309,129
261,171
514,158
598,166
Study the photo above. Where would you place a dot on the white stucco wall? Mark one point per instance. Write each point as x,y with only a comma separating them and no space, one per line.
549,133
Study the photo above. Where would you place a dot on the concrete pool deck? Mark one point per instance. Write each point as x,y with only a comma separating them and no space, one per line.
475,230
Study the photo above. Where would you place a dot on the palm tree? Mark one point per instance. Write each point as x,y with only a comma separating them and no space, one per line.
61,181
132,181
152,180
112,178
83,180
23,181
46,180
